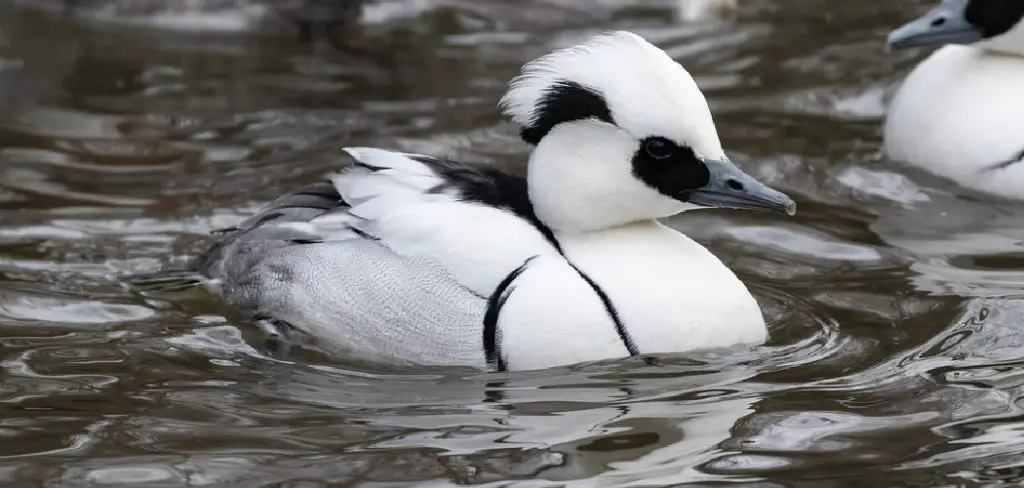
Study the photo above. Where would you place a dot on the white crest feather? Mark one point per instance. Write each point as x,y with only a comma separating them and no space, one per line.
647,91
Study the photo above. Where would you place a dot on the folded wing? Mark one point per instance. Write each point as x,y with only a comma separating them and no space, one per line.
477,223
395,257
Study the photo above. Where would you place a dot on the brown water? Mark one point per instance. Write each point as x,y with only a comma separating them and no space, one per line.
897,347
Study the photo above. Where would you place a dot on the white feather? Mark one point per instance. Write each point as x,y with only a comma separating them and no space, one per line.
398,162
478,244
648,92
580,180
541,327
581,174
670,292
960,115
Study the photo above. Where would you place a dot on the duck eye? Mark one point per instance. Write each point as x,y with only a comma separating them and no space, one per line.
658,148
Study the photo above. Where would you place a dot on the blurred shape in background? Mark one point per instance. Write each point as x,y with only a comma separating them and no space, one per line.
354,27
339,18
697,10
271,16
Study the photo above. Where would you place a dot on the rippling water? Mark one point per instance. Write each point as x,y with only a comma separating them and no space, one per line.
896,346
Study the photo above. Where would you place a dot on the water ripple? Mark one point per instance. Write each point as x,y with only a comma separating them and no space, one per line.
892,297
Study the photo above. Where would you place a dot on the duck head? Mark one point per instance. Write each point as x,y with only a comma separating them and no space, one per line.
622,134
990,24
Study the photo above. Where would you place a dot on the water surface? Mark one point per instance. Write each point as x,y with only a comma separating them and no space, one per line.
896,346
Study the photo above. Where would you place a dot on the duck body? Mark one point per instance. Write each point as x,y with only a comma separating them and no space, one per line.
422,277
677,313
960,115
960,112
413,259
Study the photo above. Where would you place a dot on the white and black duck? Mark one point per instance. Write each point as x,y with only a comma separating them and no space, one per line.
412,259
960,113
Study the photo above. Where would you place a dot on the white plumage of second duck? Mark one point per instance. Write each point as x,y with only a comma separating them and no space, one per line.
411,259
960,113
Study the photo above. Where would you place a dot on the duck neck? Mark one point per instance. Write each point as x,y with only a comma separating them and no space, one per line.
571,209
580,181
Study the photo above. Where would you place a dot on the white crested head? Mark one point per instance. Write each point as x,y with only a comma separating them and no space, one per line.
631,75
622,134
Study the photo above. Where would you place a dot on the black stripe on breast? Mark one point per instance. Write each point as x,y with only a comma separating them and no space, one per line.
498,189
491,339
1006,164
609,307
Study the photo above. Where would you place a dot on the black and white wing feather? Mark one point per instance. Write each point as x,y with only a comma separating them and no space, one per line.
477,224
395,257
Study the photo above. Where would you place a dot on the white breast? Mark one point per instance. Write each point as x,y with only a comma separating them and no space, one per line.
959,114
670,293
553,317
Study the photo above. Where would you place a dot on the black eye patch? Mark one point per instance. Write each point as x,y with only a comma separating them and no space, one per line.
994,17
669,168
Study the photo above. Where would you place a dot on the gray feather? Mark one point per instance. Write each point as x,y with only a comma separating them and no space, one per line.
311,261
360,297
296,207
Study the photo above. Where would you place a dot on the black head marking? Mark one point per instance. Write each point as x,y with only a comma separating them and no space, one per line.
565,101
994,17
669,168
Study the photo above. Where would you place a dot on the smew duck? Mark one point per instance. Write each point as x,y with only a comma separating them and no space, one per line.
413,259
960,113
